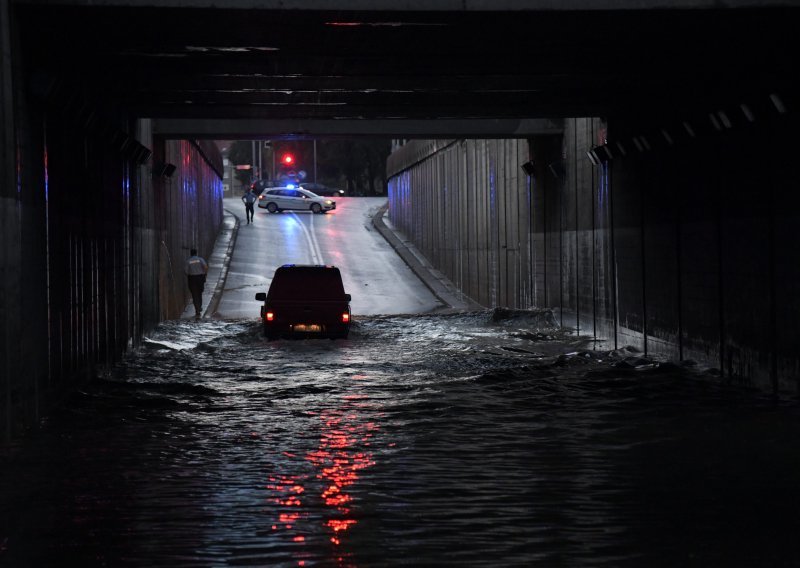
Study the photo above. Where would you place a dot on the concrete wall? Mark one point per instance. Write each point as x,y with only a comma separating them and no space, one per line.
707,250
183,211
686,249
503,237
467,208
93,244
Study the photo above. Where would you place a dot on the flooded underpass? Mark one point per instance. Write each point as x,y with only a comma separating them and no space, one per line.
475,439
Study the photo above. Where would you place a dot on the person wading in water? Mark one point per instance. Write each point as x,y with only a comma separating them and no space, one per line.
196,270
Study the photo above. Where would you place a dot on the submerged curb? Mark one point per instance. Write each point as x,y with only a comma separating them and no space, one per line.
444,290
216,297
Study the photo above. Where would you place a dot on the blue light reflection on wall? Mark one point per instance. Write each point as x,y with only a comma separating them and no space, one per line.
46,228
602,190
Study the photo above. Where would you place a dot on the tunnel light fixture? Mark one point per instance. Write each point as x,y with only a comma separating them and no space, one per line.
748,114
557,169
163,169
778,103
641,143
529,168
141,154
600,154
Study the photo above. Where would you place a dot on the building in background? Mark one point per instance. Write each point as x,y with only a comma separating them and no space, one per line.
231,185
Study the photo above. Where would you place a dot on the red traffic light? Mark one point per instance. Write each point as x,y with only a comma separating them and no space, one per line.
287,159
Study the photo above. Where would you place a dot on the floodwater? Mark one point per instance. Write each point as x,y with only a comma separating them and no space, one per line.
477,439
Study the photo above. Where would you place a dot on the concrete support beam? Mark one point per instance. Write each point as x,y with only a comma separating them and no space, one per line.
306,129
430,5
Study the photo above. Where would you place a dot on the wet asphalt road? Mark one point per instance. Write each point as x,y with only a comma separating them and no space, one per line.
372,272
477,439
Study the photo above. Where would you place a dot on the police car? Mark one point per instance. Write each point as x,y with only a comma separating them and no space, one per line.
291,198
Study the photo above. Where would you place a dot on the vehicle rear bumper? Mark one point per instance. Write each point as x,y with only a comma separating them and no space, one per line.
273,330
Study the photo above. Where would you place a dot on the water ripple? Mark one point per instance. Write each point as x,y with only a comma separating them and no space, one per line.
480,439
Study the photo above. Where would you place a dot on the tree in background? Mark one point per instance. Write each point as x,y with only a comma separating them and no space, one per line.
358,164
240,153
376,152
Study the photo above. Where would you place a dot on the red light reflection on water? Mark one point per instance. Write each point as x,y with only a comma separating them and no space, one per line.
342,452
288,489
339,459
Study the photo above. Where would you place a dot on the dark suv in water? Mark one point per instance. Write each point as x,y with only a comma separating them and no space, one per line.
305,301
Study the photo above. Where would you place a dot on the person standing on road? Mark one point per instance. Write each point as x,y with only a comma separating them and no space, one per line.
196,270
249,199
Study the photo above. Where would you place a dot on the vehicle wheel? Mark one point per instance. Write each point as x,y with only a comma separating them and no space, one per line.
272,207
316,208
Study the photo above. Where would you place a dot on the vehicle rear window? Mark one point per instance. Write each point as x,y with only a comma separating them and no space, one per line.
301,282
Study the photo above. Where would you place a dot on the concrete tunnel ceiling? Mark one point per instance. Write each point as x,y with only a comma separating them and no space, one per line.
243,69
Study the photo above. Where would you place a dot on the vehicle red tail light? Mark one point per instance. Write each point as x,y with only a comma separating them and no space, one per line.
269,316
345,317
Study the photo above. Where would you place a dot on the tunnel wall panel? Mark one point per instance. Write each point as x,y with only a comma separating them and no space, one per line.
660,260
191,217
584,135
684,247
472,227
96,250
23,283
746,256
699,195
786,257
